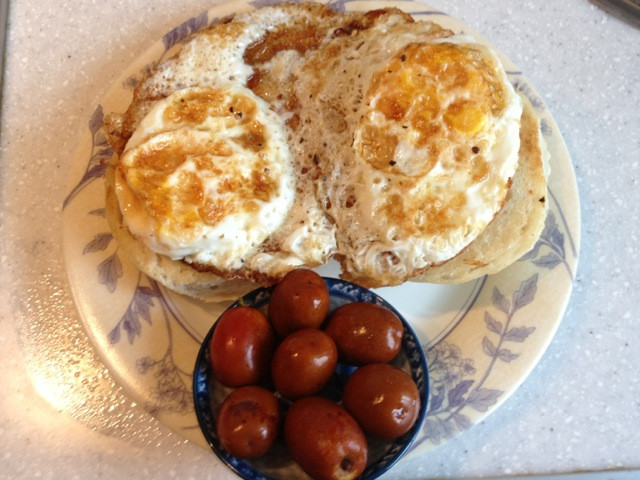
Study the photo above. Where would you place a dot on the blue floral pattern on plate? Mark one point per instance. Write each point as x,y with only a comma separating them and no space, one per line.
494,335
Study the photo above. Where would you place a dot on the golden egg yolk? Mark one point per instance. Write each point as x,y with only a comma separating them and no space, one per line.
172,178
431,97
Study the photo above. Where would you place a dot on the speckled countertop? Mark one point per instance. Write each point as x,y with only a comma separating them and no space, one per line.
578,410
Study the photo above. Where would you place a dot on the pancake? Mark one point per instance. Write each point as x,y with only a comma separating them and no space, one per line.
293,134
517,227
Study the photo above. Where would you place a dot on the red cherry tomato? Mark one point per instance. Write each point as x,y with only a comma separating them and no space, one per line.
325,440
383,399
303,363
241,347
300,300
248,422
365,333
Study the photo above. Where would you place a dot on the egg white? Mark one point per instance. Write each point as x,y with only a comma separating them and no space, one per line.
225,244
375,246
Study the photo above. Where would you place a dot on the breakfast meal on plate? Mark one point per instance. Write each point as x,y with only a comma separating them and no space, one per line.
292,134
332,390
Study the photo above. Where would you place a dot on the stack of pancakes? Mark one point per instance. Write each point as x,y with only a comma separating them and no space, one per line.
290,135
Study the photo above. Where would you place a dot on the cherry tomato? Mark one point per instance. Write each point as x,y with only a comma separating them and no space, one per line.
241,347
384,400
324,439
300,300
303,363
248,422
365,333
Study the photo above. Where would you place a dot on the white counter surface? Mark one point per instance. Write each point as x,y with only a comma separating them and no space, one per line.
579,410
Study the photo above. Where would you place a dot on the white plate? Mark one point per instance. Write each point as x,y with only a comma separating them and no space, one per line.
483,337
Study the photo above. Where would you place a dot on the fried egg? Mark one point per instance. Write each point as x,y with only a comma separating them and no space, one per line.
260,238
290,135
422,129
207,176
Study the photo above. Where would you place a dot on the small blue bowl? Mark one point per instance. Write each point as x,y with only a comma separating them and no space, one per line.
209,394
